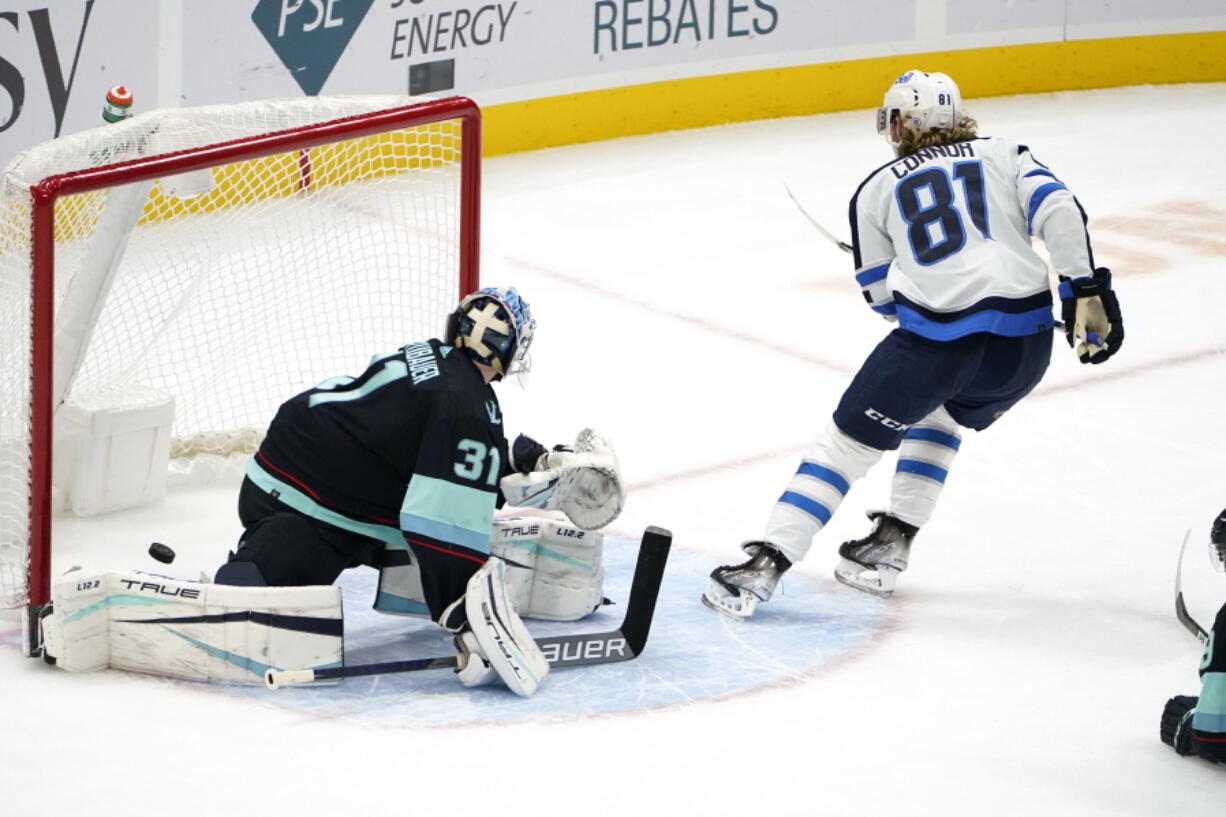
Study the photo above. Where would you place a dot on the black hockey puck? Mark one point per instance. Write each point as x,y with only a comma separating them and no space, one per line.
162,553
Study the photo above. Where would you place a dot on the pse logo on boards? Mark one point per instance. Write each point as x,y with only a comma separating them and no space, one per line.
309,36
623,25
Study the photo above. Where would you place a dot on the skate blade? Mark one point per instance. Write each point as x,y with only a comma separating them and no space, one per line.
741,609
879,582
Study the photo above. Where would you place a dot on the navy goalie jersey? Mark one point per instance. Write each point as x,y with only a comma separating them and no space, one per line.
1209,720
412,449
942,240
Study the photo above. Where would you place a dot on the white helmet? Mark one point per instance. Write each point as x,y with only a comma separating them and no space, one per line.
924,102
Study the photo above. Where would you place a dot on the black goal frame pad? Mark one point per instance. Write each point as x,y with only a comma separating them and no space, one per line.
579,650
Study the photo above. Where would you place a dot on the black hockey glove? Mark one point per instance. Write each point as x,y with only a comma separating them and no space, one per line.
1176,729
1091,313
525,452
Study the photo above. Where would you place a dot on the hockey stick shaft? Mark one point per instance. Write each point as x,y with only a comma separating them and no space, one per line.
1181,609
842,245
582,649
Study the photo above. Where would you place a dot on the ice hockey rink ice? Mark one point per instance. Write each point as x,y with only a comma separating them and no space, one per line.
692,315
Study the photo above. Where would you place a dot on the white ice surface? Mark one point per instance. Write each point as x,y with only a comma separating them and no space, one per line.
689,313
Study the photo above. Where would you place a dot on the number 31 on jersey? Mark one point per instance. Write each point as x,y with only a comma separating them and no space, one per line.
475,457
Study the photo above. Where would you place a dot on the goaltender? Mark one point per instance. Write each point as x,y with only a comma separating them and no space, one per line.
400,468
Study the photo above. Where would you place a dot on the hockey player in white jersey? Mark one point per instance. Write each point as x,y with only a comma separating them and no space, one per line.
941,237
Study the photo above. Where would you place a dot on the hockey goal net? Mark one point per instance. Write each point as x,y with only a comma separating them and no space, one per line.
203,265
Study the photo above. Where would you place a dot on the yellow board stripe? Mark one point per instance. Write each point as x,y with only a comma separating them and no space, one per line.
852,85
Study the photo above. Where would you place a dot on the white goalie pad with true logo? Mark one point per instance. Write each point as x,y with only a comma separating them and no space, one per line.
204,632
553,570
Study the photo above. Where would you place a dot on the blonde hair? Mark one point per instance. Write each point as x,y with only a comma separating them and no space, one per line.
967,128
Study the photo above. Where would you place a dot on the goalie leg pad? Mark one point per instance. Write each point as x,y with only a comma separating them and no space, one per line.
498,634
182,629
553,570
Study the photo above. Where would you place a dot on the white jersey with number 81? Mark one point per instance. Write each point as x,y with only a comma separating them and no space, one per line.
942,239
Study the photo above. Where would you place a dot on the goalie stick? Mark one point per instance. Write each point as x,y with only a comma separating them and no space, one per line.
1181,609
578,650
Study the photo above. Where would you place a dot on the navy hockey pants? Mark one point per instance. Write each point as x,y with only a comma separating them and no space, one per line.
906,377
291,549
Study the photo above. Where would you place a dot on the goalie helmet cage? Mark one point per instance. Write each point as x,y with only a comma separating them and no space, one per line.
224,258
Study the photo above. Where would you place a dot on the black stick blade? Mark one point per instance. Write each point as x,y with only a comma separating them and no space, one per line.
645,589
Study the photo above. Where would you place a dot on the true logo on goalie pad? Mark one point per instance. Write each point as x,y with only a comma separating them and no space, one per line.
507,533
153,587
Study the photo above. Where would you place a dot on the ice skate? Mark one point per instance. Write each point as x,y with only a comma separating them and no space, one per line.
737,590
872,564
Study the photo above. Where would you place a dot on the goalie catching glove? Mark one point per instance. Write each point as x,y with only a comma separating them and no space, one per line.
583,482
1091,312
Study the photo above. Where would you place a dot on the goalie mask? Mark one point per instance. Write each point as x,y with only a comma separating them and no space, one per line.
924,102
494,326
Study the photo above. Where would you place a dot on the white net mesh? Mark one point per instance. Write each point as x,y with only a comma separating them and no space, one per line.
230,288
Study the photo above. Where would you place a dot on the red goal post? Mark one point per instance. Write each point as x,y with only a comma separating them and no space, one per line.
209,263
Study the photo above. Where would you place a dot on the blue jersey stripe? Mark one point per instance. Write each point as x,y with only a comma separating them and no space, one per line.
834,478
446,532
886,309
1210,715
989,320
302,503
1037,198
1040,173
809,506
923,469
391,603
931,435
1204,722
872,275
448,512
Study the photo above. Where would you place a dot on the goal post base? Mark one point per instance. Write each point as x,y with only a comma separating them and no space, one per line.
31,643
